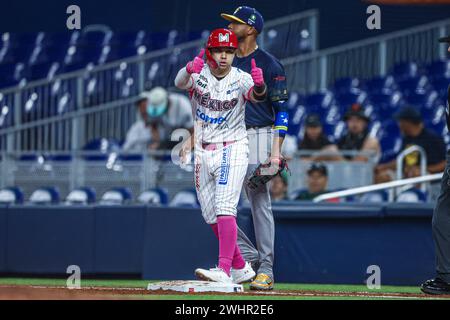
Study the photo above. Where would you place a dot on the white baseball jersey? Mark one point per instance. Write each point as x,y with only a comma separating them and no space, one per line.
218,105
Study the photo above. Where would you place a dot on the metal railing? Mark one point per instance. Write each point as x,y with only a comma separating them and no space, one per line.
400,166
377,187
366,58
58,114
102,171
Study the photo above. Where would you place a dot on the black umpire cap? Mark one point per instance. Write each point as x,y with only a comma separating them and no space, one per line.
445,39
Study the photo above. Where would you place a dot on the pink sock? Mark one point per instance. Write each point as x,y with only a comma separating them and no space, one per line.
238,260
227,230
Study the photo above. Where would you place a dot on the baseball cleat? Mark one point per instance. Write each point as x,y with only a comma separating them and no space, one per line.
262,282
435,286
213,274
243,275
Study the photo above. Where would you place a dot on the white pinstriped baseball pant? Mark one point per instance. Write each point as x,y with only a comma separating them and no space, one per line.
219,176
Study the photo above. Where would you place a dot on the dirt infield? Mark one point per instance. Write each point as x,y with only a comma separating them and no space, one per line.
107,293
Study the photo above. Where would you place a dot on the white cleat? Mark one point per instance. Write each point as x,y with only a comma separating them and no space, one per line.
213,274
243,275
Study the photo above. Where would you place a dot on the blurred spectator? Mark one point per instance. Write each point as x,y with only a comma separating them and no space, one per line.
414,133
357,137
279,187
317,182
139,136
161,113
315,139
167,112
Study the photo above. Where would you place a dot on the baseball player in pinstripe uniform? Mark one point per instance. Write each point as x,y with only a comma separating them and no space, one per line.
218,94
267,124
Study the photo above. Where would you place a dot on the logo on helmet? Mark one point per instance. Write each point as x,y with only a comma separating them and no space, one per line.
224,37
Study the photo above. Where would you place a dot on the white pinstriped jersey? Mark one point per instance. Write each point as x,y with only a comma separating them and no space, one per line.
218,105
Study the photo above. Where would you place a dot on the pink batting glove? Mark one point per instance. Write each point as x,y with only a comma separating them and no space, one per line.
257,74
196,65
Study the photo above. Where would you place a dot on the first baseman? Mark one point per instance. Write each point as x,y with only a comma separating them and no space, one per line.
218,94
267,124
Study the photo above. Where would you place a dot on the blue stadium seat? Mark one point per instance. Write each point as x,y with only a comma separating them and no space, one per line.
35,157
412,195
116,196
45,196
96,38
405,70
43,70
132,43
156,196
320,99
296,118
185,198
274,42
438,69
123,84
304,42
22,53
131,157
344,85
390,140
6,112
385,104
103,146
81,196
32,107
440,84
11,195
197,35
424,101
415,84
295,99
380,84
11,74
332,115
334,131
374,197
63,39
60,157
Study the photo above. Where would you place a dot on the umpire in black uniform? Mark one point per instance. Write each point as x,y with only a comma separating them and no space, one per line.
441,225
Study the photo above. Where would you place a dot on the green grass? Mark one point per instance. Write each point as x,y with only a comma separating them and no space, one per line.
279,286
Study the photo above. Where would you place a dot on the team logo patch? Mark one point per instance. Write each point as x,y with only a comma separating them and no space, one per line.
224,37
225,166
252,19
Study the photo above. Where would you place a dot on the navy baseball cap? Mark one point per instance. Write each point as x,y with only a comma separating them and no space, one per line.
246,15
313,120
410,114
319,167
